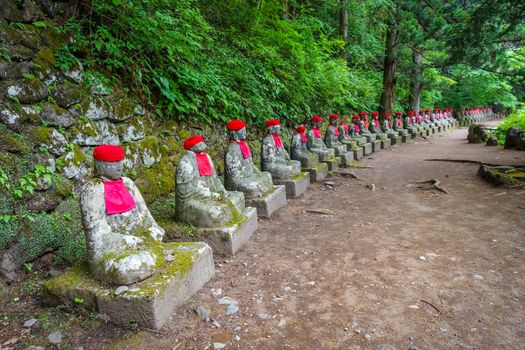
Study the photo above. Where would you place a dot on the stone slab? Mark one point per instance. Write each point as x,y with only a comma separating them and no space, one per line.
148,303
228,240
318,172
406,138
358,153
269,203
376,145
346,158
396,140
333,163
386,143
367,149
296,186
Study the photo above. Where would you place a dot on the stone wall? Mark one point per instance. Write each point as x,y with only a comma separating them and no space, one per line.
50,120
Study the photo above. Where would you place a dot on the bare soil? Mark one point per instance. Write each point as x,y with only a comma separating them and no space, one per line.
398,266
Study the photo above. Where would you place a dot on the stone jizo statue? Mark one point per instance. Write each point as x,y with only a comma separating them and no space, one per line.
398,124
275,159
388,126
118,225
375,126
201,199
315,142
363,127
332,134
240,172
300,150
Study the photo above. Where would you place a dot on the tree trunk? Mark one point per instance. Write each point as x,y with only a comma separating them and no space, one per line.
343,25
389,70
286,10
415,81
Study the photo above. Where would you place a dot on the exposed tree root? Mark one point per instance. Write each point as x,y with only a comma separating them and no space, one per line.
432,184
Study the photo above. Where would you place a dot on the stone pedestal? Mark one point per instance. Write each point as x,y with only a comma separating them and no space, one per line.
376,145
228,240
269,203
295,186
358,153
396,140
346,158
318,172
332,163
367,149
405,138
148,303
385,143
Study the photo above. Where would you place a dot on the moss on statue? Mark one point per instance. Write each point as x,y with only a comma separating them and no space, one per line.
156,181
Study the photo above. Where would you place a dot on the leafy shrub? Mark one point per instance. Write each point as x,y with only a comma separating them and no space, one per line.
517,118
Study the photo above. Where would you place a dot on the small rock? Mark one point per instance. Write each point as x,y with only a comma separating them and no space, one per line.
222,337
134,289
216,324
263,315
311,283
203,312
228,301
422,258
281,323
169,258
218,346
413,306
236,338
215,292
55,338
30,323
383,347
121,290
232,309
368,336
478,277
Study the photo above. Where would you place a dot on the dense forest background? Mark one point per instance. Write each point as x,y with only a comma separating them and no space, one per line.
211,60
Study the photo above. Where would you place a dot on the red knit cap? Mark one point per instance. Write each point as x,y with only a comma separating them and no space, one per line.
375,114
109,153
399,113
388,115
300,128
235,124
272,122
316,119
192,141
428,110
355,117
363,113
421,111
334,116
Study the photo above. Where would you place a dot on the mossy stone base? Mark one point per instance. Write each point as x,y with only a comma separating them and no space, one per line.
296,186
148,303
269,203
228,240
358,153
367,149
318,172
346,158
376,145
332,163
406,138
396,140
386,143
504,176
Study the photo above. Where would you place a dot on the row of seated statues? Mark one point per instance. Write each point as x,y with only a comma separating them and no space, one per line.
120,229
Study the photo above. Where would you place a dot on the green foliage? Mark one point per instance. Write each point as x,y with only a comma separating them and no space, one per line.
517,119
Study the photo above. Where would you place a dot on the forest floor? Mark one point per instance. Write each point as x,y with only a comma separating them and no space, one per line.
399,266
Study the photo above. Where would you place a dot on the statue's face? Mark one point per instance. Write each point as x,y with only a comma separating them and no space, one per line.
316,125
355,121
108,170
333,122
200,147
275,129
239,135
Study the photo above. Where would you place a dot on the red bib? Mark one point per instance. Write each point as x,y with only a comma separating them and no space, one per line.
336,131
277,140
357,128
376,122
390,123
204,164
317,133
345,127
399,122
117,197
365,123
303,137
245,150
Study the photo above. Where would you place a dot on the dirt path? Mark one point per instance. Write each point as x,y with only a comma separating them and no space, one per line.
396,266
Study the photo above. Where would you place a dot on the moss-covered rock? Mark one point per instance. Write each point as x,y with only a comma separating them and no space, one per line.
66,94
133,130
123,109
156,181
25,91
19,53
73,162
54,115
50,138
44,61
13,142
504,176
14,70
94,133
151,150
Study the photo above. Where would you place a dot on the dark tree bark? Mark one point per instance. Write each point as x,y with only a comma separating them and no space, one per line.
415,80
389,70
343,25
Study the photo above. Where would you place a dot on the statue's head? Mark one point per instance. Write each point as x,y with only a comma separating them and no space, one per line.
334,118
108,161
375,115
316,121
387,115
195,144
363,115
355,119
273,126
237,129
399,114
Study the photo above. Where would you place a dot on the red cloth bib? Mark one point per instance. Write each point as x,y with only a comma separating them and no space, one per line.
277,140
399,123
204,164
376,122
317,133
303,137
336,131
365,123
117,197
357,128
245,150
390,123
345,127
